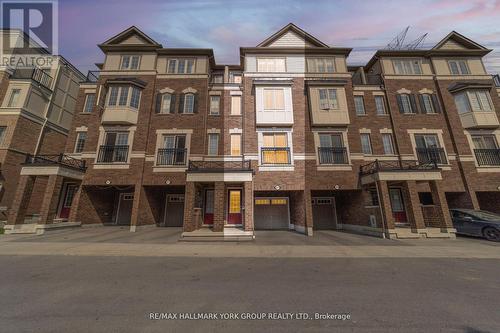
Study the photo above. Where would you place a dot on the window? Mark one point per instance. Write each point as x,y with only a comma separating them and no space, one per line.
89,103
328,99
366,144
328,140
458,67
234,77
130,62
373,197
81,137
275,148
359,104
407,67
425,198
122,96
14,98
426,103
166,103
134,99
473,101
388,144
484,142
321,65
331,149
3,130
236,105
214,105
115,148
427,141
274,99
173,151
235,144
181,66
213,144
271,65
380,105
188,103
113,95
122,100
217,78
406,103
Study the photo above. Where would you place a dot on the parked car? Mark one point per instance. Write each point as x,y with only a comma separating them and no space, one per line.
477,223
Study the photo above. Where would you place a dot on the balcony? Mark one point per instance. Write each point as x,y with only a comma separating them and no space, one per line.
124,115
332,155
431,155
37,75
275,155
487,157
55,160
484,119
398,171
220,166
171,156
113,154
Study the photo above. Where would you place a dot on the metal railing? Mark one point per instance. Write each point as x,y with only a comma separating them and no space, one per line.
275,155
377,166
220,166
59,159
38,75
431,155
332,155
112,154
93,76
487,156
171,156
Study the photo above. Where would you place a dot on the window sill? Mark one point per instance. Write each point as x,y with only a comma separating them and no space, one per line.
116,165
276,167
169,168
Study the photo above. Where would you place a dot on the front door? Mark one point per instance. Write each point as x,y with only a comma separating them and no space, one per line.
208,217
67,198
234,207
124,213
398,206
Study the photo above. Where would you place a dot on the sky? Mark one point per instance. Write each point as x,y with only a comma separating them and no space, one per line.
226,25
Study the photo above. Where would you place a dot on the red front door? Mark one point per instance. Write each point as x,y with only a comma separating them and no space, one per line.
68,194
234,207
208,217
398,206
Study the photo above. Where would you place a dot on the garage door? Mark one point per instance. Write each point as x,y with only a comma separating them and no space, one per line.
174,210
324,216
271,213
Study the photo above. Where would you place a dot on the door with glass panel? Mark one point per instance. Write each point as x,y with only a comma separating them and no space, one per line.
275,149
331,149
173,151
398,206
486,149
208,214
115,147
234,206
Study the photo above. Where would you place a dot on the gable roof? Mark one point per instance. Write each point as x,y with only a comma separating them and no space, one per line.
459,39
132,37
292,28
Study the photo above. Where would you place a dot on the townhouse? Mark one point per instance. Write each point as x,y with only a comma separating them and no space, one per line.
36,113
290,138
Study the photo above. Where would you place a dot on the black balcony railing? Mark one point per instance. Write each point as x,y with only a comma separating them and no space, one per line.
275,155
220,166
93,76
487,156
378,166
59,159
431,155
38,75
112,154
171,156
332,155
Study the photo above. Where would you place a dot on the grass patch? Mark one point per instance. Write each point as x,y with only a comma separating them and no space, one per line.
1,230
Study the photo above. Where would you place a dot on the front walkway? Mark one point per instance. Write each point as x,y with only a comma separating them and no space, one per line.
152,242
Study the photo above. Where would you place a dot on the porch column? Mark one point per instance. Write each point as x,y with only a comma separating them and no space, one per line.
248,189
219,204
189,198
473,198
51,198
75,204
21,200
141,209
414,210
385,204
439,199
308,212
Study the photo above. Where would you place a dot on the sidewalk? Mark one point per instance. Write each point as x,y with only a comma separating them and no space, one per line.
163,243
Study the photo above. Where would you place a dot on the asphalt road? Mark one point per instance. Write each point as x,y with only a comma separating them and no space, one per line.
117,294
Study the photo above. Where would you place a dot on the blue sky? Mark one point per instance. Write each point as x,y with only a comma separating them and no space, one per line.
227,25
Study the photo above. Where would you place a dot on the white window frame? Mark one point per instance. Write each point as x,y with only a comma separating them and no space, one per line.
358,97
211,137
313,63
407,66
78,134
130,57
274,98
391,144
128,100
163,109
332,100
406,101
469,95
366,135
89,108
428,104
177,63
185,109
214,111
270,65
3,132
234,99
380,110
231,136
460,70
15,93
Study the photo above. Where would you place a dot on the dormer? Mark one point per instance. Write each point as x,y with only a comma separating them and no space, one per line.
130,50
458,55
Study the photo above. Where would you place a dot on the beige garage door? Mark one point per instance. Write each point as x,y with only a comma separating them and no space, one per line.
271,213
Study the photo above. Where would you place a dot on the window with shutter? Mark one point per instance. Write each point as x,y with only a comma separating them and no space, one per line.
166,100
188,103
